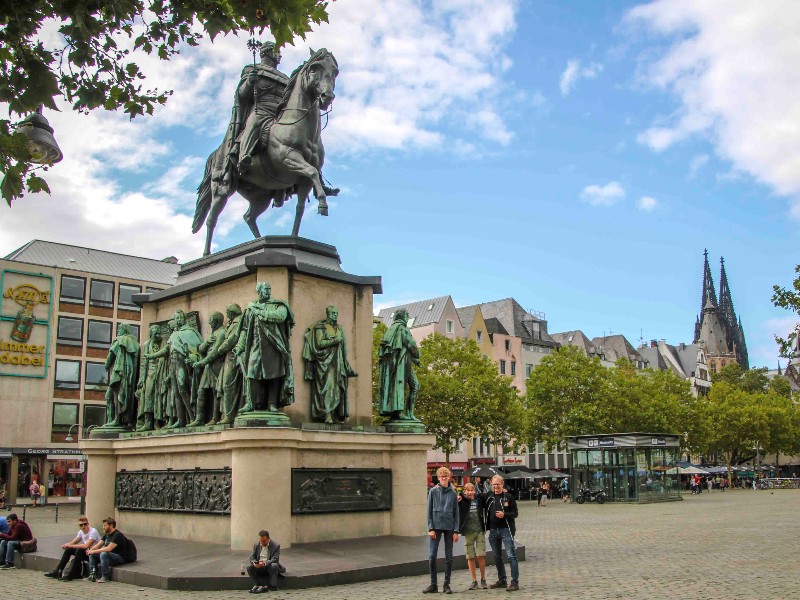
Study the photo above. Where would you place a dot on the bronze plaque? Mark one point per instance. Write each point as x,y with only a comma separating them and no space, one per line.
340,490
196,491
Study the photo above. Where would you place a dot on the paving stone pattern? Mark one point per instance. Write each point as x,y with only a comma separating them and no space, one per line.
740,544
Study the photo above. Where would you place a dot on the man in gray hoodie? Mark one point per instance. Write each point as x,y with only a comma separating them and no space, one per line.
442,522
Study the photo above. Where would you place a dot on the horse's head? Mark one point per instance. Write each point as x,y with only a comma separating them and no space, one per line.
321,72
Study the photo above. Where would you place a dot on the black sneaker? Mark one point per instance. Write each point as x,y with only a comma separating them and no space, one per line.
473,586
497,585
431,589
446,589
7,566
483,585
54,574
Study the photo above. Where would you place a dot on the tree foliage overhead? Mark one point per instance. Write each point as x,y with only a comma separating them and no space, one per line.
92,62
461,393
571,394
378,329
790,300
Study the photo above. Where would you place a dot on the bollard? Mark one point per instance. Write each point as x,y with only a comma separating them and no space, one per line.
57,513
24,511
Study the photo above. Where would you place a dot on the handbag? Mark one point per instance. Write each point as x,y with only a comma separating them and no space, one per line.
28,545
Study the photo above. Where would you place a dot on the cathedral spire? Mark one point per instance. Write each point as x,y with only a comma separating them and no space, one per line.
709,293
726,310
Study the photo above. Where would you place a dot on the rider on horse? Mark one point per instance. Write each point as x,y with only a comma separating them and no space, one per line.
255,104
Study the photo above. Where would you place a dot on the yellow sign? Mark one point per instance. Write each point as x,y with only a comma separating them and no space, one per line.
13,353
26,294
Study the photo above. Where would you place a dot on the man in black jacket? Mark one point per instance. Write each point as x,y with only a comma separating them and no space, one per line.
501,511
265,565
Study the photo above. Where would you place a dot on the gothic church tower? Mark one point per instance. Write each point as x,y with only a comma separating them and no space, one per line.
718,327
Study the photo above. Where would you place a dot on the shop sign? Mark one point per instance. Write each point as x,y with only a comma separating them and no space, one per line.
600,443
51,453
24,323
658,442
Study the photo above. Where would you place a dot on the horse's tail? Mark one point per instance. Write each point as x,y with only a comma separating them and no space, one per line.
204,196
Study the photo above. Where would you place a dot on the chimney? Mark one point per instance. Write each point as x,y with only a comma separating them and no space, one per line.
653,344
170,259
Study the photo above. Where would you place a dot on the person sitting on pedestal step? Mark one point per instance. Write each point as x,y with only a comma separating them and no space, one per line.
113,550
18,532
265,564
85,538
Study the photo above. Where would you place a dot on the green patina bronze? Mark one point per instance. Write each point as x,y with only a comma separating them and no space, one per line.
266,358
398,353
327,369
121,364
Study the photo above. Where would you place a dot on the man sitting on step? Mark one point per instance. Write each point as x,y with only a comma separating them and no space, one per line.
85,538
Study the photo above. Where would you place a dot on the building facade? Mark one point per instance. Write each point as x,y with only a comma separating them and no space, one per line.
61,308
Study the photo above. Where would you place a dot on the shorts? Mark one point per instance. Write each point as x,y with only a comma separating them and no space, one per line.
473,540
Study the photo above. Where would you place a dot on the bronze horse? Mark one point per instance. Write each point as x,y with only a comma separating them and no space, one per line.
290,163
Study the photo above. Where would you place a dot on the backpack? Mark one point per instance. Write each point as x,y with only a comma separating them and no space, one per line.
132,556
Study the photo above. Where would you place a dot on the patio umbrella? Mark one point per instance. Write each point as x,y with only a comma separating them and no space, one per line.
482,471
518,475
547,474
686,471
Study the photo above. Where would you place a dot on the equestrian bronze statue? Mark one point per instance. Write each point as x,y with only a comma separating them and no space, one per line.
272,149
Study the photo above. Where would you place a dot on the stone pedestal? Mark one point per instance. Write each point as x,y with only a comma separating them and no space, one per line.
262,448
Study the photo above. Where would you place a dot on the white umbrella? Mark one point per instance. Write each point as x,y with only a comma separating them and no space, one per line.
685,471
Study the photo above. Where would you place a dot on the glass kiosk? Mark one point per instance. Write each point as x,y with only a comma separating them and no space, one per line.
629,467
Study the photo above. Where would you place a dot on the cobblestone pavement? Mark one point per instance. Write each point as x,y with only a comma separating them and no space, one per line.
740,544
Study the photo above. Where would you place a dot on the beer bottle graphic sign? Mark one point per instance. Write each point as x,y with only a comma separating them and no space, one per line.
25,300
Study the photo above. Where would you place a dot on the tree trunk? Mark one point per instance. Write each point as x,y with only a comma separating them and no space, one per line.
729,459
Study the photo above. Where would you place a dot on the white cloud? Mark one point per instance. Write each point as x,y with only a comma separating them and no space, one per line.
732,72
574,71
603,195
762,349
647,204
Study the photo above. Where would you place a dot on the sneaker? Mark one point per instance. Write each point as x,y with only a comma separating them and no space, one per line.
254,589
431,589
103,580
513,587
446,589
66,578
473,586
7,566
53,574
483,585
497,585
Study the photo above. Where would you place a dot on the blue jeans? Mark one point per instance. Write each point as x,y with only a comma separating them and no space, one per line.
448,555
7,548
106,560
497,539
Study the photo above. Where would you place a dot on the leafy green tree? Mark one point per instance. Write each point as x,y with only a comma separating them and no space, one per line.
94,66
790,300
459,389
567,394
734,419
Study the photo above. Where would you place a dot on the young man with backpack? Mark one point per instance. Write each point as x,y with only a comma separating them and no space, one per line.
85,538
113,550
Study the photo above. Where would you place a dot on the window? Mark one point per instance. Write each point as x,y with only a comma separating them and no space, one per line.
93,416
70,331
99,334
64,417
479,336
474,446
528,369
96,376
135,329
513,368
502,367
102,294
68,374
411,322
508,345
126,292
430,306
449,326
151,290
73,289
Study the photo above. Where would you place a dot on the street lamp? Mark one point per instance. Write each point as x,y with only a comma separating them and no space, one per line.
41,142
86,430
757,465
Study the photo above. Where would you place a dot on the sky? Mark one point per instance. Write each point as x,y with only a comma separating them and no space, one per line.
576,156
